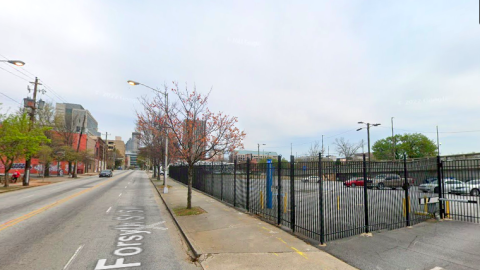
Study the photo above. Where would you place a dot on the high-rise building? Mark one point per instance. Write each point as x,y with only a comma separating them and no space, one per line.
74,114
131,148
195,132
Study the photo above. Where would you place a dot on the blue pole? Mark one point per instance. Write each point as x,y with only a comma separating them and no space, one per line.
269,184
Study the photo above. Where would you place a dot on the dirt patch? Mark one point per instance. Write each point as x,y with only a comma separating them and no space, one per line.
181,211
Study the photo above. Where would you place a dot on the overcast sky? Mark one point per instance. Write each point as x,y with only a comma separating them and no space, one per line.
289,72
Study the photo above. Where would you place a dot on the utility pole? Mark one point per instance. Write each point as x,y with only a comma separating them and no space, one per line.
105,152
393,142
28,162
75,168
322,145
438,143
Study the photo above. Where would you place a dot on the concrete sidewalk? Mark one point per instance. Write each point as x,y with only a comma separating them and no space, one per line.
226,238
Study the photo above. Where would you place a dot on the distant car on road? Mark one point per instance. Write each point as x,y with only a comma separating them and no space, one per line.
448,183
356,181
105,173
471,187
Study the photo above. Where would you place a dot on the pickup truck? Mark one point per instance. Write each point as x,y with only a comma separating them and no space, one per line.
390,180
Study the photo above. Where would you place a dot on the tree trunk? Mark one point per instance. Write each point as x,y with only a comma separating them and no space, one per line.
46,172
190,180
69,167
158,172
154,171
6,179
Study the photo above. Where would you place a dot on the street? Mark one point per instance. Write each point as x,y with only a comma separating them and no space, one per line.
90,223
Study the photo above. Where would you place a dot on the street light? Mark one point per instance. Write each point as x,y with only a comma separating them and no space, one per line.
258,150
17,63
368,135
165,186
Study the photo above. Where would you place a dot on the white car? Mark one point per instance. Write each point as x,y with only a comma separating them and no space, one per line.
312,179
449,184
471,187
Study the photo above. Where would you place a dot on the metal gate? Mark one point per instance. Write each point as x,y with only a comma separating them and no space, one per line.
459,189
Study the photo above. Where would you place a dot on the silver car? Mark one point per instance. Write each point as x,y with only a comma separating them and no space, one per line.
449,184
471,187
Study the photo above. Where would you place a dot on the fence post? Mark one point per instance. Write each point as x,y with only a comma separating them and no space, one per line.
440,187
279,191
211,184
320,200
406,187
365,193
292,193
248,184
235,183
221,180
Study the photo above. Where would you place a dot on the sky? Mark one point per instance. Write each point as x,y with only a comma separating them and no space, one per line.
291,72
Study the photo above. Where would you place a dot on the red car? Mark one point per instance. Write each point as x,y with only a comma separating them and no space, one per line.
356,181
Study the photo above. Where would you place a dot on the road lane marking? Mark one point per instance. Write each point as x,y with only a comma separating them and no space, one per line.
125,186
110,208
299,252
45,208
73,257
281,240
120,195
28,196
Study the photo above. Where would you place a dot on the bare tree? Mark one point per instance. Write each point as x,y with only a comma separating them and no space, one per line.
198,133
314,150
346,148
66,130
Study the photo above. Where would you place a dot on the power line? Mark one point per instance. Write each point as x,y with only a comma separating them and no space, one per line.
16,69
11,99
15,75
54,92
446,132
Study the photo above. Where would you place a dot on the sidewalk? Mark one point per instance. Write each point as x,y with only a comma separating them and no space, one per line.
36,182
226,238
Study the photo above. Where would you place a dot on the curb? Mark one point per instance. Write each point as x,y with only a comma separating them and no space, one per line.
190,245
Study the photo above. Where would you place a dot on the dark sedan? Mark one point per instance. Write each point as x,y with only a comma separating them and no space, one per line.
106,173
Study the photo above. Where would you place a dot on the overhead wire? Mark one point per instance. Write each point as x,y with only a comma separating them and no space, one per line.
11,98
27,80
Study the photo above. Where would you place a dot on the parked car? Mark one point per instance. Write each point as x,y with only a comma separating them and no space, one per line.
471,187
106,173
448,183
313,179
356,181
390,180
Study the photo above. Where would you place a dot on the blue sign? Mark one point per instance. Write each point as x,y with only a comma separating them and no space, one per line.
304,168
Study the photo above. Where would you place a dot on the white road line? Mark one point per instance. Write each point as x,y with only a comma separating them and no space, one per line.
73,257
28,196
125,186
110,208
120,195
437,268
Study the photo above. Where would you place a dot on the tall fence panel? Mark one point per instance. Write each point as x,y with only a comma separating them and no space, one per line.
327,200
461,189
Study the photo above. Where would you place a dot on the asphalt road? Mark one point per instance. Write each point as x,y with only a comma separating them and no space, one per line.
90,223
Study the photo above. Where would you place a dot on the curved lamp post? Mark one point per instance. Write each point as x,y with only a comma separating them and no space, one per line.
17,63
165,186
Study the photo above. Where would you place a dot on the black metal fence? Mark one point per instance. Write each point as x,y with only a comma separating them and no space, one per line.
326,200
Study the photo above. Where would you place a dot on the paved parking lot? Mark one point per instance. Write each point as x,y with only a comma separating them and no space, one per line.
429,245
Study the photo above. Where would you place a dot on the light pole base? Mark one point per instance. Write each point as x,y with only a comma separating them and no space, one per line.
165,190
